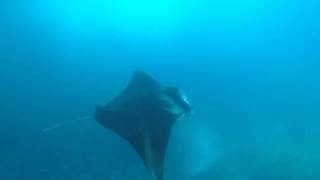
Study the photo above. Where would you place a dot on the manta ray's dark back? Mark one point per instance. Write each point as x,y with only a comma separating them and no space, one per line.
144,114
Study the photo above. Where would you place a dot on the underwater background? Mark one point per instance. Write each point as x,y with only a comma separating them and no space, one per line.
251,70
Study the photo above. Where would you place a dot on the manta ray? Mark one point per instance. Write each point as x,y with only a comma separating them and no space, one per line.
144,114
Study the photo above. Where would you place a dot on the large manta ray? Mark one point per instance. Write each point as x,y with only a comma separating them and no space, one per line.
143,114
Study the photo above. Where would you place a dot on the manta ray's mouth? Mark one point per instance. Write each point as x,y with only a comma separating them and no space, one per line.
178,105
179,98
186,102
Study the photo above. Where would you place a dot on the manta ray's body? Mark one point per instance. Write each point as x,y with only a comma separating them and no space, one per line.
144,114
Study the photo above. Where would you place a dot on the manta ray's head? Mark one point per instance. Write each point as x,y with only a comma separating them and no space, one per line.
179,103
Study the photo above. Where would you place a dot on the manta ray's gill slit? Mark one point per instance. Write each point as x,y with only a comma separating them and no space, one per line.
54,127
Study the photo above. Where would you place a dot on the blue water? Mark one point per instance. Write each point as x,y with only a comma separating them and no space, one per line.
251,70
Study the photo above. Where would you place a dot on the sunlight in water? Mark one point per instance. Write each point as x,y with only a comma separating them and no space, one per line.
157,17
119,16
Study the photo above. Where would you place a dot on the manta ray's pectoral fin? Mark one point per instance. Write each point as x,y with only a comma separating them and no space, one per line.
149,143
121,123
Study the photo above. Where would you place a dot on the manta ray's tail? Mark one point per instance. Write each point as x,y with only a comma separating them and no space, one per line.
46,130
